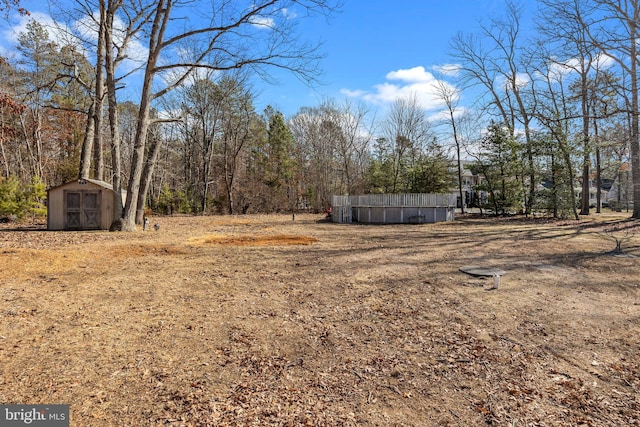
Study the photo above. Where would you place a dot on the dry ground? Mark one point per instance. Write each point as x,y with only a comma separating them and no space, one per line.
261,320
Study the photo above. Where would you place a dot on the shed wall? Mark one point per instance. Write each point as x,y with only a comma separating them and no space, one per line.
56,208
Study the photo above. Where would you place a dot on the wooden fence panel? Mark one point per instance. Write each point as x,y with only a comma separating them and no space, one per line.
395,208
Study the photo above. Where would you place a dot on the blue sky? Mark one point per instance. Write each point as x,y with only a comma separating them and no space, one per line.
371,42
376,51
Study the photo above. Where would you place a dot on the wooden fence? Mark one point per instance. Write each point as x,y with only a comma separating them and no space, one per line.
394,208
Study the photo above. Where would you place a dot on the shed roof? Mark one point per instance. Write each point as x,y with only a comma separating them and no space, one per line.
97,182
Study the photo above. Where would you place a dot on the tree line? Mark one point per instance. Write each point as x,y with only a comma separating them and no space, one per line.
563,101
555,110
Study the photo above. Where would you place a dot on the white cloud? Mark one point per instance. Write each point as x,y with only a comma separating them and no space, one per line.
56,32
445,116
84,28
135,52
604,61
558,69
412,75
289,14
452,70
262,22
403,84
521,80
353,93
269,21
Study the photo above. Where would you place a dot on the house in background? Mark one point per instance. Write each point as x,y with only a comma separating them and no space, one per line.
607,191
470,181
620,194
83,204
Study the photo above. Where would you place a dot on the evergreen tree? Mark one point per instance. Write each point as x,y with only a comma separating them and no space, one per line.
380,171
433,172
279,162
554,195
498,163
39,67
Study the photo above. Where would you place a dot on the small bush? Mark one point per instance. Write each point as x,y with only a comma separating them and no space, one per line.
18,200
172,202
11,198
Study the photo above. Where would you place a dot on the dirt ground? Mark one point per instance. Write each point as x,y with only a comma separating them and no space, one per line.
266,321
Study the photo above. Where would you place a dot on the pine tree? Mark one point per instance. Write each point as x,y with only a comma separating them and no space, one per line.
498,163
279,168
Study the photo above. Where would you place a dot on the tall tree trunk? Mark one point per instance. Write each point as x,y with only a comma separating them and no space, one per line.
635,126
554,188
116,161
623,48
5,172
598,165
94,116
154,150
458,158
98,155
230,200
566,155
206,167
87,143
584,200
586,160
133,188
531,167
162,14
98,158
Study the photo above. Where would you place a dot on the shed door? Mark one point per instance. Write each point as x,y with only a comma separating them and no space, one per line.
82,210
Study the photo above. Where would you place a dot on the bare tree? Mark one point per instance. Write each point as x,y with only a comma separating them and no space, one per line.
614,28
451,96
332,142
315,137
554,115
115,53
94,116
202,110
563,28
353,147
7,5
408,130
349,136
216,113
115,24
237,123
497,61
92,143
253,35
